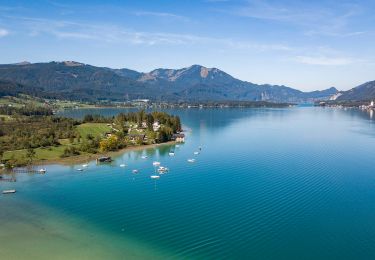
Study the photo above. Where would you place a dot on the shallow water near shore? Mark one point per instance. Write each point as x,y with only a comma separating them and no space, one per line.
294,183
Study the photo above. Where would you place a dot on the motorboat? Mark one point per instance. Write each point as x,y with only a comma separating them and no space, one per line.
191,160
135,171
156,163
122,165
163,169
9,191
42,170
155,176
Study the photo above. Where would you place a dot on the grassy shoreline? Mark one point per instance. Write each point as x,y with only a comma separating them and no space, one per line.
90,157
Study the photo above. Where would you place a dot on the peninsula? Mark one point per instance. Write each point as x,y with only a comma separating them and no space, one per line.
32,134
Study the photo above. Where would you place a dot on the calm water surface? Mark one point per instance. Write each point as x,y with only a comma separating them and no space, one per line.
296,183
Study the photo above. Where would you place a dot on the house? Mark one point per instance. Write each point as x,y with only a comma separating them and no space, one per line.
104,159
179,138
156,126
135,137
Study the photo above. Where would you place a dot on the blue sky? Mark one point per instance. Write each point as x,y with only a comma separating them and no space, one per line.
305,45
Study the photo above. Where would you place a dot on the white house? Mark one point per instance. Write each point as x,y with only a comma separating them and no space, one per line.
156,126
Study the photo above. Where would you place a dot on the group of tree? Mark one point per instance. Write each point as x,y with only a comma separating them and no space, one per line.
39,129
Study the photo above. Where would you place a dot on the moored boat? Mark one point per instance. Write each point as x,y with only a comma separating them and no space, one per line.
9,191
156,163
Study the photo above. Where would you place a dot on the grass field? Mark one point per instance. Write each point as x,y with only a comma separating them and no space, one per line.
50,153
95,129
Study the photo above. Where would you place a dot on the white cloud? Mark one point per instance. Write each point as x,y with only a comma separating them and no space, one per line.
3,32
311,19
118,34
324,60
161,14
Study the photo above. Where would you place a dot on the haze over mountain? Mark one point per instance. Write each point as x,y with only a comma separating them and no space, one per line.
364,92
74,80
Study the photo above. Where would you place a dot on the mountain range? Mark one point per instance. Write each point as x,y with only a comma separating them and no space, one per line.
78,81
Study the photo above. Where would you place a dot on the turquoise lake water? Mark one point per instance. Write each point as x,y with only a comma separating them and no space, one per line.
294,183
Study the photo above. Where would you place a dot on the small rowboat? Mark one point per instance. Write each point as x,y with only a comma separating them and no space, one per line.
9,191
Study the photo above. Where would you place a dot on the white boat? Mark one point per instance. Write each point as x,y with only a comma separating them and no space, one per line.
171,154
155,176
163,169
9,191
79,169
196,153
144,157
135,171
177,146
122,165
42,170
191,160
85,165
156,163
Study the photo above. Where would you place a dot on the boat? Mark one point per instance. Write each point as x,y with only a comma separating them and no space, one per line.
155,176
122,165
196,153
177,146
144,157
9,191
191,160
171,153
85,165
104,159
135,171
156,163
42,170
163,169
79,169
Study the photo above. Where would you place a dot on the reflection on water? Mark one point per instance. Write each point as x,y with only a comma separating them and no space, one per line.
292,183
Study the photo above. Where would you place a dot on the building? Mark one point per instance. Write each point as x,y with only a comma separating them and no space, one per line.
179,138
135,137
156,126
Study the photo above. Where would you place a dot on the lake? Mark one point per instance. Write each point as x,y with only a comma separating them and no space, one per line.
293,183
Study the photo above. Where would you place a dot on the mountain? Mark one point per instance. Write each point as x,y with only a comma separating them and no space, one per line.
74,80
364,92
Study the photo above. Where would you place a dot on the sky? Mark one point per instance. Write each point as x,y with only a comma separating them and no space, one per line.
307,45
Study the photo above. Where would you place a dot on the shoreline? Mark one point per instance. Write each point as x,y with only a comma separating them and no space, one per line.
90,157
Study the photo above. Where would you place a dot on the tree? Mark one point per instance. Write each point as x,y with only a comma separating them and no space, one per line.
30,155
